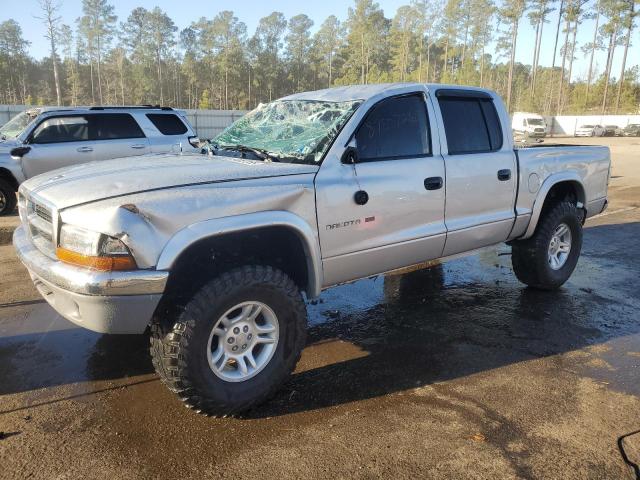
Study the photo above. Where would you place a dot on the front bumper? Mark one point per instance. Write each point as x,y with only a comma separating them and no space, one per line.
105,302
537,134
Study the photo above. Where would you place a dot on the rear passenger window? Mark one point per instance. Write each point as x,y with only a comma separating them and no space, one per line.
395,128
111,126
167,123
471,125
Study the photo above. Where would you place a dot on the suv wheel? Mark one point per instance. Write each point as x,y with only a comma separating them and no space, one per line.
548,258
7,198
234,343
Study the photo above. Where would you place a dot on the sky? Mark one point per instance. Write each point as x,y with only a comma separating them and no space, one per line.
250,12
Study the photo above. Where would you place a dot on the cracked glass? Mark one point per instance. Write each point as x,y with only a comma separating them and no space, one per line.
289,130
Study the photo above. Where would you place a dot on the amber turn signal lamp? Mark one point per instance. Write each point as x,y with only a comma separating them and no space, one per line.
105,264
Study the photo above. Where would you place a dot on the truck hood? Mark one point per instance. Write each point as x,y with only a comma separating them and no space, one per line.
100,180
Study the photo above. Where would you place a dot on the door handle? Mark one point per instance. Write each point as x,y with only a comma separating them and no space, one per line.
504,175
84,149
433,183
138,146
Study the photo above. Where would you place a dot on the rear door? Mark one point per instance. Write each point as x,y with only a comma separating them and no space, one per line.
116,135
481,171
173,133
386,211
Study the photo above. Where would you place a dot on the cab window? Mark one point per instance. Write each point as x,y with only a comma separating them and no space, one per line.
395,128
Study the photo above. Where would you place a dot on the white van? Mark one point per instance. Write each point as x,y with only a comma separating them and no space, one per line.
528,125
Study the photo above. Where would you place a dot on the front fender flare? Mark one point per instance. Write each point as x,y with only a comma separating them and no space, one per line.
547,185
191,234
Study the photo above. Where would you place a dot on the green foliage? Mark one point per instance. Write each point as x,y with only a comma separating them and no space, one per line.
215,63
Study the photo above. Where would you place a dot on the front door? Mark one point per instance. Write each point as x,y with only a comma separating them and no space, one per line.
58,142
385,211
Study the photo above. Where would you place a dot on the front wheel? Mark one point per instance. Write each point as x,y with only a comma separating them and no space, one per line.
548,258
7,198
235,342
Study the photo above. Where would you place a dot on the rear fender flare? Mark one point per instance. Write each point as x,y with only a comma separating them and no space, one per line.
547,185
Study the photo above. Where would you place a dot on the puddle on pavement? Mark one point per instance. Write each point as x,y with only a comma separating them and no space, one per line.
389,333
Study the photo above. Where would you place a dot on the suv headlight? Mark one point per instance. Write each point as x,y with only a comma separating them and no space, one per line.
85,248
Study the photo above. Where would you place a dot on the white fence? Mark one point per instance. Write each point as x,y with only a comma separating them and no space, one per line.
207,123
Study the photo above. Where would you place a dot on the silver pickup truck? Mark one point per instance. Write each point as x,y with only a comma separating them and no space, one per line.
214,252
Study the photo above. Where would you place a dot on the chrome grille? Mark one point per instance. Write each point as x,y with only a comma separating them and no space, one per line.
40,227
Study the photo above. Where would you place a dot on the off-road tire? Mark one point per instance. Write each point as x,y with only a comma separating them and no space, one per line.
179,345
9,195
530,257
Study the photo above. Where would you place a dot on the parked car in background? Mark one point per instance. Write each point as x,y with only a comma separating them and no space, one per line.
612,131
631,130
39,140
528,125
213,252
589,131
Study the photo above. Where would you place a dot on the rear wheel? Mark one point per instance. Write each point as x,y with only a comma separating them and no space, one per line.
548,258
7,198
234,343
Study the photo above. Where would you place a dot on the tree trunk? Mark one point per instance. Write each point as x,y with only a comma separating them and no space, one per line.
122,79
482,66
624,56
564,60
573,50
93,95
420,48
159,59
99,76
54,59
610,52
446,55
330,68
593,49
512,59
555,45
532,83
428,60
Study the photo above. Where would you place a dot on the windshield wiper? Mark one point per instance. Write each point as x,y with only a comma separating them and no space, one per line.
258,152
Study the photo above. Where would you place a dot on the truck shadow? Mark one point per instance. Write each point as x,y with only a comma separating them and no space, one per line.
463,318
379,337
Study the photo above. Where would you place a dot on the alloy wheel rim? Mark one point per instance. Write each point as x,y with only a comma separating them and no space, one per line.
243,341
559,246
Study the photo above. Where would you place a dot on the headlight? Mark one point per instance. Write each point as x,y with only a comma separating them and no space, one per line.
85,248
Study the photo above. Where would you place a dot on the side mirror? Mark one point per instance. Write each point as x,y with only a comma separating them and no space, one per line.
350,156
19,152
194,141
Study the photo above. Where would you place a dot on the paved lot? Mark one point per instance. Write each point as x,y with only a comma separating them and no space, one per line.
456,371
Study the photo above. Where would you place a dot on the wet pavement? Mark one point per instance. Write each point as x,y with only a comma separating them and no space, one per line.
452,371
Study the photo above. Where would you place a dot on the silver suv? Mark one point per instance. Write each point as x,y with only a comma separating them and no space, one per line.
43,139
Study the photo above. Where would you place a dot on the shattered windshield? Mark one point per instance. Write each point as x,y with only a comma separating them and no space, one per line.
17,124
289,130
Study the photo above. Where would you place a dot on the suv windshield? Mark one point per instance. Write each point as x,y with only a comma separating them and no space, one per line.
535,121
289,130
17,124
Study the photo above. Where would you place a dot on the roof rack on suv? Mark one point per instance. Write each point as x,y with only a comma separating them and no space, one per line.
144,107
